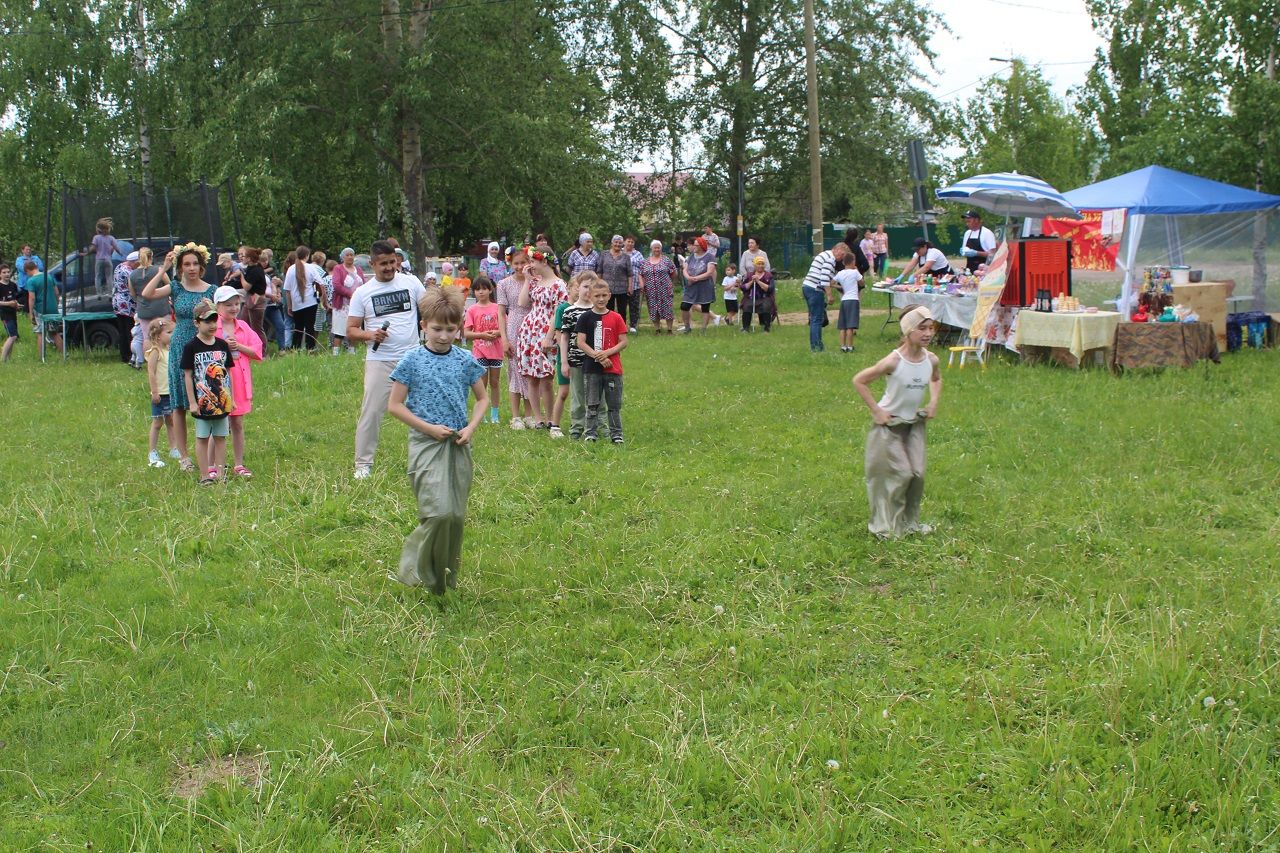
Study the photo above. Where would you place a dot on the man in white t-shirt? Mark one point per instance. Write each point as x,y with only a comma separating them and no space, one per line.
384,314
978,243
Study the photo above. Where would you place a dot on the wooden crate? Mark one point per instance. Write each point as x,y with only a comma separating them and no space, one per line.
1209,300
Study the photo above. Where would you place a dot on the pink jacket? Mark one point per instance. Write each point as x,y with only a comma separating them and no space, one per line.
241,373
341,292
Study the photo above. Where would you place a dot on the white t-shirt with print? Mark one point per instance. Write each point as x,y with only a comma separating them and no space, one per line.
394,302
847,281
730,284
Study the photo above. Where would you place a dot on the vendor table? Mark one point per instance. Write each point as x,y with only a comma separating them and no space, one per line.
952,310
1163,345
1072,334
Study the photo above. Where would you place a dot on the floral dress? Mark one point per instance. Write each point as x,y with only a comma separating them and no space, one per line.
509,299
659,279
531,360
184,331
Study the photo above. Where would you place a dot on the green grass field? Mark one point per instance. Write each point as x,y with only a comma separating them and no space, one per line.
688,643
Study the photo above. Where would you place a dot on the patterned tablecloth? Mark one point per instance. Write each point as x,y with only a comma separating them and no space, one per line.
1075,333
1163,345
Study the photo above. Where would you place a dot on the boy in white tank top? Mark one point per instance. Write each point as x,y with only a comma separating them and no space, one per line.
895,455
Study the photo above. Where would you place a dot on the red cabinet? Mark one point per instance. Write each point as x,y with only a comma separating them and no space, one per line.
1036,265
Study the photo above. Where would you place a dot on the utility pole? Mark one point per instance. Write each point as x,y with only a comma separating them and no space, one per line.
815,145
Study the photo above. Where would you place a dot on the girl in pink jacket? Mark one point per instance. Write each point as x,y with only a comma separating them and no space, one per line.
246,347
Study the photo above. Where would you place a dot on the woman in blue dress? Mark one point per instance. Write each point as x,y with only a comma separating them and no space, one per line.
190,261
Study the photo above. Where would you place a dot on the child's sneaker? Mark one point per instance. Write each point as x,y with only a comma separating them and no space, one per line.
174,453
493,415
517,423
617,439
555,432
590,438
154,460
530,423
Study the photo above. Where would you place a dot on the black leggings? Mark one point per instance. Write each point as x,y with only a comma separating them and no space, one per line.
621,302
304,326
124,331
766,320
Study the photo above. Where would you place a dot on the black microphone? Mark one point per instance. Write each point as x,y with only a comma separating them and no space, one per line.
386,325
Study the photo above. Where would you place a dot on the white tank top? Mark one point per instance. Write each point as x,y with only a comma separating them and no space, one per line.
904,390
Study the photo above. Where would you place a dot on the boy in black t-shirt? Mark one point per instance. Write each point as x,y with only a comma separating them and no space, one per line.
8,309
574,357
602,335
206,368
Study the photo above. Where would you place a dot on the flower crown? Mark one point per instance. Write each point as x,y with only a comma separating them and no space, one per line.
202,251
540,255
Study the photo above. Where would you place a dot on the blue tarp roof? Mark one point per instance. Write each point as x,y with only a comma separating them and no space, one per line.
1156,189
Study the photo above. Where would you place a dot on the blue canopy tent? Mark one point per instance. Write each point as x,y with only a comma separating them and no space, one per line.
1159,196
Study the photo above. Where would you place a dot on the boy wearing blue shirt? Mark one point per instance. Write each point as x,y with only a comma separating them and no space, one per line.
429,393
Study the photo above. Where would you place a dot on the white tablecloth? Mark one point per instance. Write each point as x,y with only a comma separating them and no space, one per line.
952,310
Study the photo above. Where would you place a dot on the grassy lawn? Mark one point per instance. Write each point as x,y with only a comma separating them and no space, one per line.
686,643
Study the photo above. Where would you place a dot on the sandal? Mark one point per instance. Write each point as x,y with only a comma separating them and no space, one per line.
186,464
209,479
243,471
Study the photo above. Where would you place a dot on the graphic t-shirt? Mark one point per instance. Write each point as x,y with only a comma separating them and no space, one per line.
569,324
394,302
602,331
484,318
9,293
438,384
210,366
847,281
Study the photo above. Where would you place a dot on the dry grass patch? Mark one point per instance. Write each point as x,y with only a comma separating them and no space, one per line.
193,780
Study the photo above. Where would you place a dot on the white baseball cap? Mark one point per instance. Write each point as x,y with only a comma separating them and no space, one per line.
223,293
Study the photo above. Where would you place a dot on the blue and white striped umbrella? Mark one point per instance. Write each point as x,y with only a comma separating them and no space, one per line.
1011,194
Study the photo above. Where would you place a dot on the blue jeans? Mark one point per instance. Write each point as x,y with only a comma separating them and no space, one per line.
280,329
817,302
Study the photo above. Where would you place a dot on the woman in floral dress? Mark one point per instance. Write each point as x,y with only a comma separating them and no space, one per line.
541,293
190,261
658,273
511,315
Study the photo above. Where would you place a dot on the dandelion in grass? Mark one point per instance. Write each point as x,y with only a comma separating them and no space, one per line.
1209,702
719,609
833,765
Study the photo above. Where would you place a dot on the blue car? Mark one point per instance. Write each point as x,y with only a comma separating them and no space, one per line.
74,277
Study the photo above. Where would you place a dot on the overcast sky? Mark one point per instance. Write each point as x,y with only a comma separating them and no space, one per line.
1055,34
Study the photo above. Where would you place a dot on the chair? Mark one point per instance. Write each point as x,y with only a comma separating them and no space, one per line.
966,349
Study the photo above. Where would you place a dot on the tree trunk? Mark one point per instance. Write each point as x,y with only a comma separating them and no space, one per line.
739,117
144,127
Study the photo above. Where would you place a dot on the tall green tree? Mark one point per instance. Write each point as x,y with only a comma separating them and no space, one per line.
1022,126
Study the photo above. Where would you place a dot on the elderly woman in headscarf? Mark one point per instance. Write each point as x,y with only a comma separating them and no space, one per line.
615,269
346,277
582,257
700,284
493,265
758,297
657,273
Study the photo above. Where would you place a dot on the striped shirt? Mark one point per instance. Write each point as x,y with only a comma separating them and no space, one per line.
821,271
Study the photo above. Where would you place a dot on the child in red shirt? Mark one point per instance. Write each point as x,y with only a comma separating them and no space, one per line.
602,335
488,342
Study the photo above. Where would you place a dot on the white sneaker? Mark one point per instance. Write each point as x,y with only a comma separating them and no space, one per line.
154,460
633,330
174,454
555,432
530,423
517,423
363,472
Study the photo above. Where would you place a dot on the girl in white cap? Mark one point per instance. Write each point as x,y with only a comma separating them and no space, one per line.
895,455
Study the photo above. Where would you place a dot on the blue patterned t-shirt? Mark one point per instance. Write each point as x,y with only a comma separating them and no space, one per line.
438,384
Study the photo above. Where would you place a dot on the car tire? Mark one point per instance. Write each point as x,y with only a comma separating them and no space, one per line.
103,335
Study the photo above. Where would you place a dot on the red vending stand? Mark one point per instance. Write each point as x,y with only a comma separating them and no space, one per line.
1035,265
